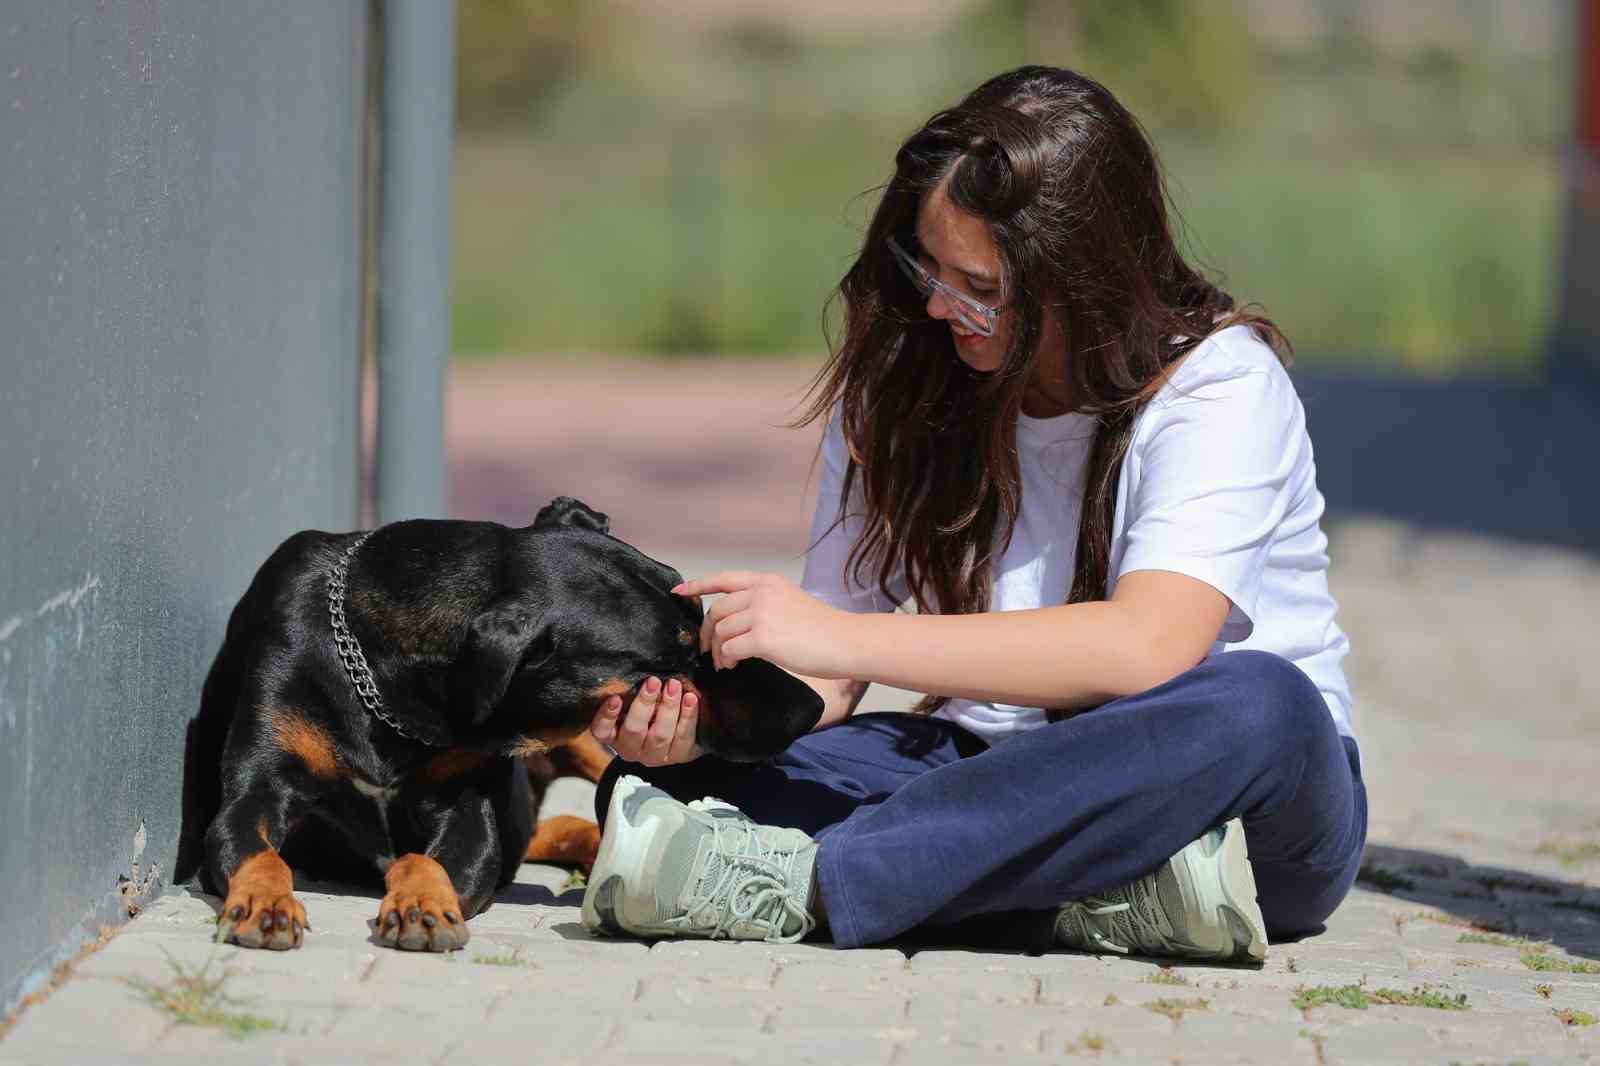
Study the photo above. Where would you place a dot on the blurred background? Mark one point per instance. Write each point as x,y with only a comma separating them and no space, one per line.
653,201
658,179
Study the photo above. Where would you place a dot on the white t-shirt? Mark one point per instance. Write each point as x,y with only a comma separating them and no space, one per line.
1218,484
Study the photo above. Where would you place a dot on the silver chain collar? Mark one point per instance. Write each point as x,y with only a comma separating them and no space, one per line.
355,661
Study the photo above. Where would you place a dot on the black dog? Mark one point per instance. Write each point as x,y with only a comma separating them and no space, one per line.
367,708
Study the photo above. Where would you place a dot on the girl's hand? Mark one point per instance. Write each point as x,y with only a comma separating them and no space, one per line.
658,728
767,616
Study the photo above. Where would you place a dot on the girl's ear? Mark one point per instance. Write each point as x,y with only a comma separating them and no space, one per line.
568,511
501,640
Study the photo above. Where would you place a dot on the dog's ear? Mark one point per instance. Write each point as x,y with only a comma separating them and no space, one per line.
567,511
501,640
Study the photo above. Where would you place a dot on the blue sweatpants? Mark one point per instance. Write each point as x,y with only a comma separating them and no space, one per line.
922,827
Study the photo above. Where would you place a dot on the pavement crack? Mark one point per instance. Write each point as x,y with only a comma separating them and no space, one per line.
372,964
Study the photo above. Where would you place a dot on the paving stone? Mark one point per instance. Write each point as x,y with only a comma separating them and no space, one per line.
1463,796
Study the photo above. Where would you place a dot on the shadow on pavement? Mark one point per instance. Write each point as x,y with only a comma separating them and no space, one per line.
1490,899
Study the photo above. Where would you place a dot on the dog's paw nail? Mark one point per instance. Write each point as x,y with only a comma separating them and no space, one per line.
413,914
450,916
429,920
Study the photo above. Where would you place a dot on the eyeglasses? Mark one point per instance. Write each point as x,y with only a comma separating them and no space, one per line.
978,317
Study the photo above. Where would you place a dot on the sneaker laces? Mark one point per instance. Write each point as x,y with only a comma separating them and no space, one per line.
1135,920
751,886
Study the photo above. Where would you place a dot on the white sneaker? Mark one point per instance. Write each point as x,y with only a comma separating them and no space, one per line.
704,869
1200,904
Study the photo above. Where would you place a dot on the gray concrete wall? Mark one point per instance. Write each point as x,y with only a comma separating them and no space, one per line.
179,326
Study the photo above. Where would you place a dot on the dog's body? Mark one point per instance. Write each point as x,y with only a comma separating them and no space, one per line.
485,644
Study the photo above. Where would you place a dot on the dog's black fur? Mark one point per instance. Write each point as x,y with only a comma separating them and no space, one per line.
485,641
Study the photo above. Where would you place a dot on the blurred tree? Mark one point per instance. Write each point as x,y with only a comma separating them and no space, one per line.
1178,64
512,54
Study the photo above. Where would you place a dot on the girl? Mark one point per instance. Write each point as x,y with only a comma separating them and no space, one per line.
1087,468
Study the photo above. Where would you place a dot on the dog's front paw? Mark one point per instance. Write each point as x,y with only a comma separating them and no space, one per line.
421,911
261,911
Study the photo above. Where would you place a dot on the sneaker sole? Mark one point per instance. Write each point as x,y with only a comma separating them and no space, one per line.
622,849
1236,884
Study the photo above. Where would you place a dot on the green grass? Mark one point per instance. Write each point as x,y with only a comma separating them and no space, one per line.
1499,940
1569,1016
194,997
1175,1008
1570,854
1427,264
1383,879
1556,964
1166,976
512,958
1090,1041
1358,997
1577,905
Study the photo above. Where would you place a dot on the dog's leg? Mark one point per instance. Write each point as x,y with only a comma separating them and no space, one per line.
565,839
242,861
475,827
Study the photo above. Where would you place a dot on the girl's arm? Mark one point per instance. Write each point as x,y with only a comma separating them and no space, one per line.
1156,625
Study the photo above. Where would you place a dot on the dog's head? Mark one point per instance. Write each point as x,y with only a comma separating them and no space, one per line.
580,615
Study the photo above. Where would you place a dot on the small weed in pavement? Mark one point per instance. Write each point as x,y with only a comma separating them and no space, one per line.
1352,996
1569,1016
1111,999
1544,990
1517,884
1536,960
1577,905
1174,1008
195,998
1499,940
1569,854
1089,1042
576,879
1420,997
1356,997
1383,879
1165,976
513,958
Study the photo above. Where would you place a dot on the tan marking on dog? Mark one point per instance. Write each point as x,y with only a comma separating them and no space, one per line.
565,838
450,764
306,741
582,756
606,689
542,741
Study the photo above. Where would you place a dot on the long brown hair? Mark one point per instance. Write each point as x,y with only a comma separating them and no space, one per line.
1071,190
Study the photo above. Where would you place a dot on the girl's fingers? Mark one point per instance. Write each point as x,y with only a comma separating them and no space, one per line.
723,581
665,724
682,748
604,726
734,626
636,723
735,649
730,605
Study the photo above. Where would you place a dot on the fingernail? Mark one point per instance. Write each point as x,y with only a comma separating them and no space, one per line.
674,687
690,701
678,586
652,685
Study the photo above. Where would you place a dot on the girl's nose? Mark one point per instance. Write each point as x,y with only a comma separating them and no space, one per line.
939,306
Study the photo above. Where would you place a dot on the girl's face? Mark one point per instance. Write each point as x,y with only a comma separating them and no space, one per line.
959,250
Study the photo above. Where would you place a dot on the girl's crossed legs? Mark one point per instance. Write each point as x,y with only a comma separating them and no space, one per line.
918,823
